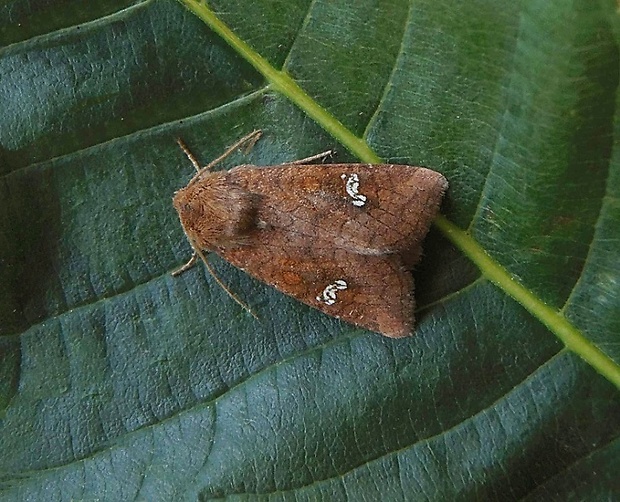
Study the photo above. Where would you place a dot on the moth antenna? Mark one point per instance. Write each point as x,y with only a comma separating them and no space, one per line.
222,285
186,267
321,155
192,158
251,139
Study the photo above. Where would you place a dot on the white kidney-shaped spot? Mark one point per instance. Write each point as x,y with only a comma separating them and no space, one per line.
328,296
352,186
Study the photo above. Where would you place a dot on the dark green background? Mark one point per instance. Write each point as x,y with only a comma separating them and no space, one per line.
119,382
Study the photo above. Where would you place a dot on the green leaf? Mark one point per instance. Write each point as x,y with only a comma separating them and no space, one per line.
120,382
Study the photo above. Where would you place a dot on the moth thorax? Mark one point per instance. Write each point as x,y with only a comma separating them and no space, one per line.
214,217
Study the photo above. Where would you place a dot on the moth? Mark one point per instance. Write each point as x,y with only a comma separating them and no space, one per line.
341,238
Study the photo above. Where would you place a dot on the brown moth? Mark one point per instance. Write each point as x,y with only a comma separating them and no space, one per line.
341,238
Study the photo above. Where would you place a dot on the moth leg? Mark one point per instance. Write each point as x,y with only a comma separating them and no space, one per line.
222,285
321,155
189,154
186,267
192,262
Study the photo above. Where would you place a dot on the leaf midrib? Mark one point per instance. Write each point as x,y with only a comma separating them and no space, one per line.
279,80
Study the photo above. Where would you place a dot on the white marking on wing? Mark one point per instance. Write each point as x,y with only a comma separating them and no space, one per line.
352,186
328,296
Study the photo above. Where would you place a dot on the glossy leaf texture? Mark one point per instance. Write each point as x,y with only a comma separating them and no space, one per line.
119,382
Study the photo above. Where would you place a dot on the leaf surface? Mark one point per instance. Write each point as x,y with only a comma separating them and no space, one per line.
120,382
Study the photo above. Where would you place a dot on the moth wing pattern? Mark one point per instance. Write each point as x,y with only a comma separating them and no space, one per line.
375,292
369,209
342,237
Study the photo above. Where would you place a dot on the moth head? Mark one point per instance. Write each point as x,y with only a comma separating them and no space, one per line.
215,213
